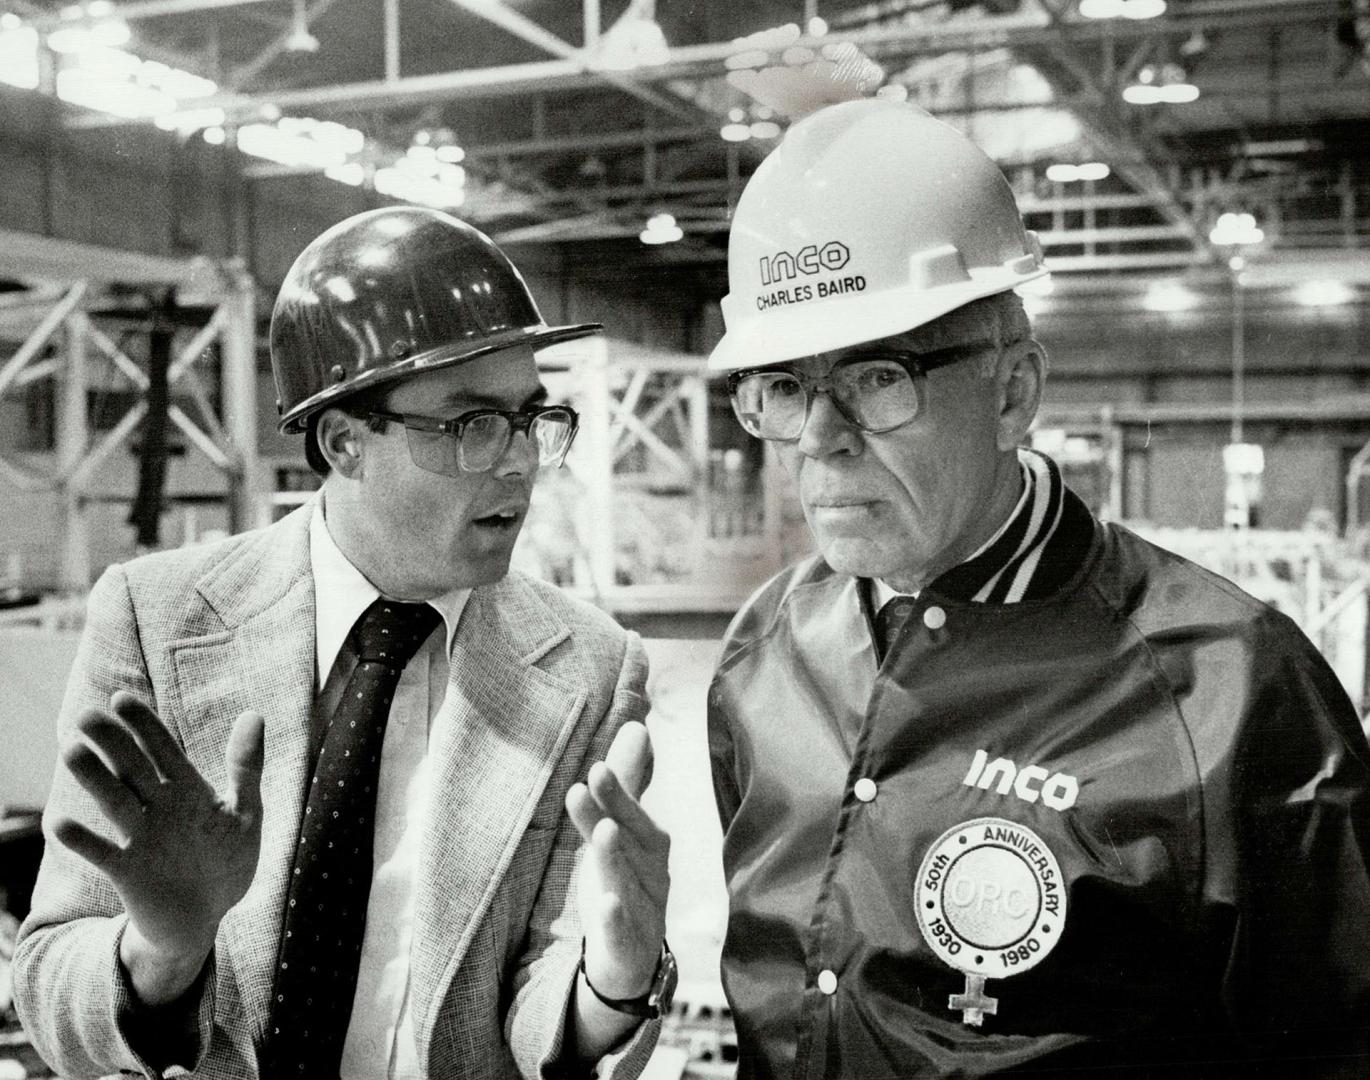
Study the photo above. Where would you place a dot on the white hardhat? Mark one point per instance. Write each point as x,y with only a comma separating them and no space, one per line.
870,219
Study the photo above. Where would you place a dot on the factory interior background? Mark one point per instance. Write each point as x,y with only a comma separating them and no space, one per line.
1198,172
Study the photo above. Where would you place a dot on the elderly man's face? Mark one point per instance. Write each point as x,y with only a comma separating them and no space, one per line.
911,503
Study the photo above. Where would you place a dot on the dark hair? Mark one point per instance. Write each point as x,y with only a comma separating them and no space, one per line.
357,405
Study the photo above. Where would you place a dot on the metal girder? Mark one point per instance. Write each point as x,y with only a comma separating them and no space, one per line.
705,61
1132,153
155,9
523,27
247,72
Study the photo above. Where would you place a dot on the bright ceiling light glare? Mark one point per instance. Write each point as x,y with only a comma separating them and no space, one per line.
1101,9
10,21
1066,173
189,120
105,34
215,136
1324,294
350,173
1169,296
634,41
735,132
661,229
817,27
1166,85
19,56
451,154
1236,229
1181,93
1121,9
765,129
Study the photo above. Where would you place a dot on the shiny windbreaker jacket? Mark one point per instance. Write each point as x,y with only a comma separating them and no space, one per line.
1126,824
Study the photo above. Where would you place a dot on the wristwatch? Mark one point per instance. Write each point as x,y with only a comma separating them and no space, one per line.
656,1001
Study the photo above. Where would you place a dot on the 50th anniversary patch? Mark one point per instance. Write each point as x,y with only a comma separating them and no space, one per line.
991,904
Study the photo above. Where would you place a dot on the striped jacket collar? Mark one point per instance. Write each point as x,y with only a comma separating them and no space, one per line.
1035,554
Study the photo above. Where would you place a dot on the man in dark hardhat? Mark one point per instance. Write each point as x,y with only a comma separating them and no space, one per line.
341,797
1005,789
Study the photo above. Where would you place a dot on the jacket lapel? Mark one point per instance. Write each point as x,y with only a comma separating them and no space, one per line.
502,727
262,658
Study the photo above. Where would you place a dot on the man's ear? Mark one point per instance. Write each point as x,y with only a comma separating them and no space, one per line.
1021,373
340,441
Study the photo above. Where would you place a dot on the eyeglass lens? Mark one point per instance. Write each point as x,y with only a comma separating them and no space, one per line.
877,395
484,440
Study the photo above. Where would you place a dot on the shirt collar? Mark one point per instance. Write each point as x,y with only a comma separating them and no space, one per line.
342,593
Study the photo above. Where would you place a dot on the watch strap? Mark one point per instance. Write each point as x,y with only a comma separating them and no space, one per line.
648,1006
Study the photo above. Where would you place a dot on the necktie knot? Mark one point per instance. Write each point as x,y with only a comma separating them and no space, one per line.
890,620
390,632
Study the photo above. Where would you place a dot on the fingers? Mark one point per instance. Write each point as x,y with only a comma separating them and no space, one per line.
630,758
117,746
170,760
119,803
614,801
94,849
581,808
634,872
244,758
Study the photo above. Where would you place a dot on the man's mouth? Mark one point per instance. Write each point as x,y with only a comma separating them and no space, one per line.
500,519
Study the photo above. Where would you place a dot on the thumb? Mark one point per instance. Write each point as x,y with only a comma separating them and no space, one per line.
244,757
630,758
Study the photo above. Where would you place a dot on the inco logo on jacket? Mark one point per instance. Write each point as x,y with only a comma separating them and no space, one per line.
1056,790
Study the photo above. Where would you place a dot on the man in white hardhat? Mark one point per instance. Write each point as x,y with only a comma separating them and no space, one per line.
340,798
1005,789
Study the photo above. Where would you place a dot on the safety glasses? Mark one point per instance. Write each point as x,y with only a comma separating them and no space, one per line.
875,391
474,441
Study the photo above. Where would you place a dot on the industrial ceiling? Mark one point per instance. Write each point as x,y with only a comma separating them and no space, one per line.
579,121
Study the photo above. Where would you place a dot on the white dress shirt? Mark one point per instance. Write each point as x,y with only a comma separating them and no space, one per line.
380,1036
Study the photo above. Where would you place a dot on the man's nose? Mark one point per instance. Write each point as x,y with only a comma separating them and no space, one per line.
520,457
826,430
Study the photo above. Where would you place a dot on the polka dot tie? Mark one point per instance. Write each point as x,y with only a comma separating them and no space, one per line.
889,621
330,880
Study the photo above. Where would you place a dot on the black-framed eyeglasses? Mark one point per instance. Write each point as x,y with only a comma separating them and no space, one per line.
474,441
877,391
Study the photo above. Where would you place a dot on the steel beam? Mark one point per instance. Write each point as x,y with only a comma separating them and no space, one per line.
156,9
705,61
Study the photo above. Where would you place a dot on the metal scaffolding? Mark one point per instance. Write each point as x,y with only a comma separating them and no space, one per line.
66,343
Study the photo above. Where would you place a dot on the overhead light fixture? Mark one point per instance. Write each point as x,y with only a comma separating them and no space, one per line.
1065,173
89,36
18,53
1235,230
1163,85
1324,294
1121,9
635,40
300,39
661,229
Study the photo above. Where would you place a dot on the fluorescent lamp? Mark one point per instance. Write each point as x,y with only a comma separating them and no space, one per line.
105,34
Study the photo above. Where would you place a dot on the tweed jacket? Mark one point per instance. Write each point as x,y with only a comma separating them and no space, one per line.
539,684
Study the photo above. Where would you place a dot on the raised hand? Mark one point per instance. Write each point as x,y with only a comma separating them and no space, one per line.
624,877
188,854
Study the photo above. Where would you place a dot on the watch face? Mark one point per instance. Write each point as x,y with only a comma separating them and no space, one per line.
663,991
